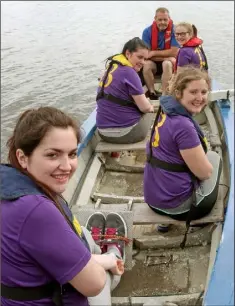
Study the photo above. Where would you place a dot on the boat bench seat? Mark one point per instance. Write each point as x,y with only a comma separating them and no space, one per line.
139,214
143,215
103,146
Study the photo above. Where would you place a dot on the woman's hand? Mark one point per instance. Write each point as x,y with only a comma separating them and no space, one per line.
110,262
119,268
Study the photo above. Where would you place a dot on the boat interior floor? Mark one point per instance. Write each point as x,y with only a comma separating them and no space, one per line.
158,271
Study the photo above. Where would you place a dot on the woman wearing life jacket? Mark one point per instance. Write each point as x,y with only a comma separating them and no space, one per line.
122,107
46,257
178,163
191,51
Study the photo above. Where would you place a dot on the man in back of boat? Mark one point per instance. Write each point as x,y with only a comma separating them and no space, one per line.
160,37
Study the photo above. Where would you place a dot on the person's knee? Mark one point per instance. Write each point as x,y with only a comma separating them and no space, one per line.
167,66
149,66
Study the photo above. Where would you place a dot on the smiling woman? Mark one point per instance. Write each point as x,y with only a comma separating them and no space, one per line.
177,152
191,51
39,226
53,165
36,147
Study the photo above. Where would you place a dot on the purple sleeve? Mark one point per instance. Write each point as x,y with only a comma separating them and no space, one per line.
133,83
49,240
184,57
185,135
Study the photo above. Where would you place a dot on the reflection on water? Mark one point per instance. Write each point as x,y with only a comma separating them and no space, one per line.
53,52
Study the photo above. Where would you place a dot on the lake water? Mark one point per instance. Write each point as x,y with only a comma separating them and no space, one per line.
53,52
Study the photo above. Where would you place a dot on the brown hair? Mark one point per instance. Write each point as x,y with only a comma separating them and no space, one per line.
186,75
162,10
191,28
29,131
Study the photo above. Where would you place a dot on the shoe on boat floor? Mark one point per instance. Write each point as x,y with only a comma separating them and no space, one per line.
153,95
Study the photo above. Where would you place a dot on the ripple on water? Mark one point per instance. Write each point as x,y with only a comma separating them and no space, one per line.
53,52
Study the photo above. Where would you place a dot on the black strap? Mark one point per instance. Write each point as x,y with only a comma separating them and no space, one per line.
110,97
155,162
106,75
204,55
116,100
51,290
191,212
29,293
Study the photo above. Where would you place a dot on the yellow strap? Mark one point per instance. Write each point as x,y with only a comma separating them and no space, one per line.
122,60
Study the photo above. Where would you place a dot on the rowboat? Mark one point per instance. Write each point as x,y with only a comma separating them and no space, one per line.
158,271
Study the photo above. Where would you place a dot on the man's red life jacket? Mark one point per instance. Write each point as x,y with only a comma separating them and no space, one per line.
167,36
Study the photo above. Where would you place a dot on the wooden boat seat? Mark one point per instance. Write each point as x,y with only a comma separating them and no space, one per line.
103,146
143,215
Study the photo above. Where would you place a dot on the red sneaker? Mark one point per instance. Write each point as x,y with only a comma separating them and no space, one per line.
115,226
96,225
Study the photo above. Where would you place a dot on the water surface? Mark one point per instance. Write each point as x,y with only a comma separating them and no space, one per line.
53,52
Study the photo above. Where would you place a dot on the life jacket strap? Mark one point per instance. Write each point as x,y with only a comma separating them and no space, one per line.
51,290
155,162
116,100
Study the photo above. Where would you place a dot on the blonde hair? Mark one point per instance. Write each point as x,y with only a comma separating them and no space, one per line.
182,78
191,29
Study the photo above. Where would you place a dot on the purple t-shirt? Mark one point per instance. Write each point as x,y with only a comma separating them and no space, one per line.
125,82
190,56
38,246
165,189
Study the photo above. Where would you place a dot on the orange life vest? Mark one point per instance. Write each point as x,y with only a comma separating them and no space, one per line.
167,36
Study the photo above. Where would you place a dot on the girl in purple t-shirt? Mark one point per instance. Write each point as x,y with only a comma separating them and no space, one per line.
178,161
191,51
45,253
122,107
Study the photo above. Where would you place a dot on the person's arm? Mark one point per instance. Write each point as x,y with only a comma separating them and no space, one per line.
197,162
190,148
58,250
160,59
107,261
143,103
136,91
90,280
172,52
